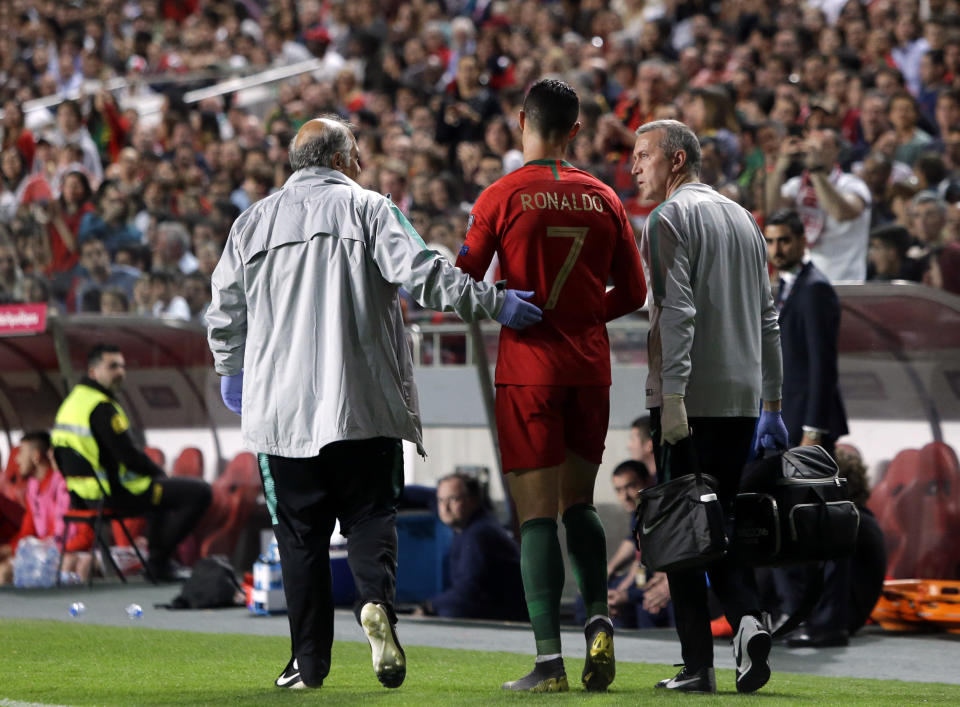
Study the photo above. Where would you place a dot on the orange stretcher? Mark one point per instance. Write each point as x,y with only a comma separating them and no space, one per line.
919,605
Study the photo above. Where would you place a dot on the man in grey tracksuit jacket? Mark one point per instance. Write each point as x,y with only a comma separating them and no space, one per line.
714,353
305,326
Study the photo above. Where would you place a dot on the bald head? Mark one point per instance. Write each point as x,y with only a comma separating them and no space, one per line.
325,142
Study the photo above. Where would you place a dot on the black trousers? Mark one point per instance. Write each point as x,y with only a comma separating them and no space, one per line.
721,446
172,513
357,482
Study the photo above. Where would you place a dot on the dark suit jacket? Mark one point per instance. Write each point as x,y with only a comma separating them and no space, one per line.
809,328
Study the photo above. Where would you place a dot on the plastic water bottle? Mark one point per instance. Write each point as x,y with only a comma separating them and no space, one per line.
77,608
134,611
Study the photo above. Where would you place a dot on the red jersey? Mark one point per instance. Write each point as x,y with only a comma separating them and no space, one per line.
563,234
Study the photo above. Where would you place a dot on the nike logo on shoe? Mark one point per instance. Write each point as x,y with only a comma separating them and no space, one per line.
290,677
285,680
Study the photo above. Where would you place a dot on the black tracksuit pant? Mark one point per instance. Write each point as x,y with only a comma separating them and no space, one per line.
721,446
357,482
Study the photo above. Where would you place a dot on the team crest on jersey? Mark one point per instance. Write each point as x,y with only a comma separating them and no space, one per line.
464,249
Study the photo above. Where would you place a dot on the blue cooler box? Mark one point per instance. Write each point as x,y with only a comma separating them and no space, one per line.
423,543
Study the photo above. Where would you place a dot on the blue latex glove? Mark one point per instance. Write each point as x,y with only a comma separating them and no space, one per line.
771,432
516,312
231,390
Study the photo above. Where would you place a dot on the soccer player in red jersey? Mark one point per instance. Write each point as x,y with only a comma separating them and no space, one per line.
562,234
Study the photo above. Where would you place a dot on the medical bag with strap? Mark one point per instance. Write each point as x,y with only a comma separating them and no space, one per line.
793,507
680,522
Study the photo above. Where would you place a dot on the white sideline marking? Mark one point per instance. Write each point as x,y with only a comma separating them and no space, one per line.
17,703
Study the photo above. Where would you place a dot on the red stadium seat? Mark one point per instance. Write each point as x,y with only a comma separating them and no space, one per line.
928,513
156,456
899,473
189,464
11,484
235,495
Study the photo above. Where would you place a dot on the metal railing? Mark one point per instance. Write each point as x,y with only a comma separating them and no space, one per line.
451,344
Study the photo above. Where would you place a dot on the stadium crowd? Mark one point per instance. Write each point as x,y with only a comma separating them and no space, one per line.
119,199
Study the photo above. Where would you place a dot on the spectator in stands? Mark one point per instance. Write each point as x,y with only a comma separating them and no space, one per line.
833,204
467,108
171,249
910,139
97,273
872,123
47,500
196,293
63,217
484,560
888,255
11,276
929,219
208,255
166,302
113,300
70,130
14,181
95,451
110,221
943,271
15,134
875,171
142,304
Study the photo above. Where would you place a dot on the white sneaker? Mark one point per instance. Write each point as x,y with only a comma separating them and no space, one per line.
751,649
389,660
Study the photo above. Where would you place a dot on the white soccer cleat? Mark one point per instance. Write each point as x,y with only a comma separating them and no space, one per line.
389,660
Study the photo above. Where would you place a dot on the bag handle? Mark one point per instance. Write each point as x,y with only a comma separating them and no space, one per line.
688,457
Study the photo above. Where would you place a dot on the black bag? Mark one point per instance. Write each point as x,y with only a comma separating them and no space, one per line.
213,584
680,522
793,507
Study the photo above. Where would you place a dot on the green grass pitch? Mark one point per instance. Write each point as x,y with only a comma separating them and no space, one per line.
53,662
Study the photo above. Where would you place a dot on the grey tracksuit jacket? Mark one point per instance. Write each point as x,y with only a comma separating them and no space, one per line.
305,303
714,335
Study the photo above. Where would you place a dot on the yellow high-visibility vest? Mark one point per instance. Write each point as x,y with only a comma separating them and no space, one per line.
72,430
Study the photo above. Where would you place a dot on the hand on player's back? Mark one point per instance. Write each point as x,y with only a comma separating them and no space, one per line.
516,312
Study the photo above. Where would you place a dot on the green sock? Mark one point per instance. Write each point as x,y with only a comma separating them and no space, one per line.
587,550
541,564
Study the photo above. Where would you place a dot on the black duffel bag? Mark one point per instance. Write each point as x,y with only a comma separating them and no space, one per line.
680,522
793,507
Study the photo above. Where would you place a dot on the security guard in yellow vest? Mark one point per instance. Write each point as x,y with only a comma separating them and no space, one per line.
97,456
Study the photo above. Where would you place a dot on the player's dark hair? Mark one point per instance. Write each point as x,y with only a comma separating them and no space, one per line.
96,353
789,218
552,108
39,439
634,466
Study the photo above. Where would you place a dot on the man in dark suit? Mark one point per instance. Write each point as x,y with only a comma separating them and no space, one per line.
812,409
809,328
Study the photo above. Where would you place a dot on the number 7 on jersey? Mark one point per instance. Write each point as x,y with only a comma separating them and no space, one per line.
578,234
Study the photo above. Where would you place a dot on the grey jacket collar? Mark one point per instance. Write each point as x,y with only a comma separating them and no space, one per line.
329,176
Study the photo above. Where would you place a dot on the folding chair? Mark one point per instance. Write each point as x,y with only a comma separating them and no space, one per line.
95,518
